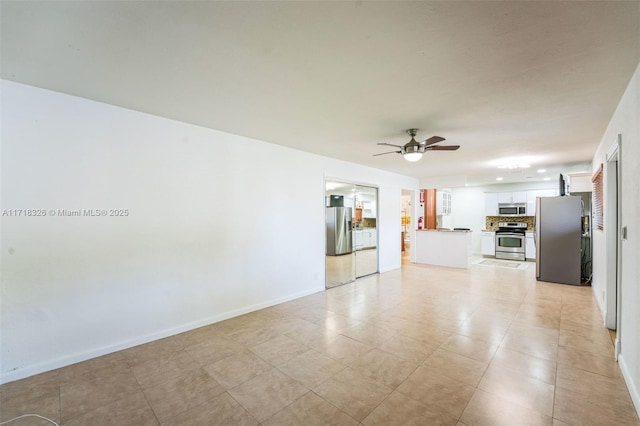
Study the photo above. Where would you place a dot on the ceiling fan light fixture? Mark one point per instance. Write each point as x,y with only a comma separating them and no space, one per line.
413,150
412,156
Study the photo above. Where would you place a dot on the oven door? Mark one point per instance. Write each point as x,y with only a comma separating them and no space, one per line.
510,245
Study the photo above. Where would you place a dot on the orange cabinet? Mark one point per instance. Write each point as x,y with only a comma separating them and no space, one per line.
358,217
429,208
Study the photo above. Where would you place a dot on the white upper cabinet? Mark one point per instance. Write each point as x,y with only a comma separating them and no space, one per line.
504,197
369,209
491,204
368,205
512,197
519,196
443,203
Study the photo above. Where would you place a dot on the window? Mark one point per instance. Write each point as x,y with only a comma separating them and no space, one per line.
597,199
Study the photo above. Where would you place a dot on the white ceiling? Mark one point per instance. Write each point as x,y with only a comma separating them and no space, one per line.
503,79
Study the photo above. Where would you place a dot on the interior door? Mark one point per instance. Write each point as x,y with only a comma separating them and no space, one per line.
340,263
366,231
351,214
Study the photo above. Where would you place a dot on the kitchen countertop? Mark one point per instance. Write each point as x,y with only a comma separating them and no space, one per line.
528,231
444,230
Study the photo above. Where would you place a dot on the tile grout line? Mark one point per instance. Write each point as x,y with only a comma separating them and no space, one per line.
59,399
484,372
144,394
555,379
243,407
396,388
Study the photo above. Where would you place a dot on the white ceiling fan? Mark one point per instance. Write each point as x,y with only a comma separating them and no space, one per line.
413,150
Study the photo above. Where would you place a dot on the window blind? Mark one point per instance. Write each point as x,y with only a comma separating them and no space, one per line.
598,205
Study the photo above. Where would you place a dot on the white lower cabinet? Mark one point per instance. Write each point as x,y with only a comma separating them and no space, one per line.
529,246
488,243
357,239
372,238
364,238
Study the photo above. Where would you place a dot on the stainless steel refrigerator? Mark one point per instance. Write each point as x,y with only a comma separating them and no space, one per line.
339,233
558,233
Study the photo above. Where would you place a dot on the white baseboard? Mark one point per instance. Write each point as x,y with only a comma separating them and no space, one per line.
633,387
389,268
601,306
10,376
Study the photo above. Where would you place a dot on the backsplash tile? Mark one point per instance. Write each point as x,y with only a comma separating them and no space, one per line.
367,222
492,221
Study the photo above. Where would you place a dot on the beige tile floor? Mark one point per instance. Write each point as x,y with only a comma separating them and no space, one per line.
345,268
417,346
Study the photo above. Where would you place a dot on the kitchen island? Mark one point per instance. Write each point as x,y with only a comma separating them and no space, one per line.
443,247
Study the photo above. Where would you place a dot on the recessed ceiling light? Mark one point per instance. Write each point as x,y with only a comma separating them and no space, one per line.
542,170
510,163
547,178
512,166
499,178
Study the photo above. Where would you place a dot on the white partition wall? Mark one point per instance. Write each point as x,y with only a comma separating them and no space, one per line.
626,124
215,225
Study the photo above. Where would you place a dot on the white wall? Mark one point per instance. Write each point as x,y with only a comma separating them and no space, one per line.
580,183
625,122
467,211
218,225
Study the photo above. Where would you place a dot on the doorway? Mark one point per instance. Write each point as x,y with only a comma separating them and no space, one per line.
351,213
406,237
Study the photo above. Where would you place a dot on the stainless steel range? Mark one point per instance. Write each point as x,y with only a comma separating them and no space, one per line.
510,240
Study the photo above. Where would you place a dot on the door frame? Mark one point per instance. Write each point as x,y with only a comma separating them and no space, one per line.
613,210
377,239
413,214
326,179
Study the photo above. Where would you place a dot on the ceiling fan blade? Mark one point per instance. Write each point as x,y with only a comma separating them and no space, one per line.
442,148
389,144
390,152
432,140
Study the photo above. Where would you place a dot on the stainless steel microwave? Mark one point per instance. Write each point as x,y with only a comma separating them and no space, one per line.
517,209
